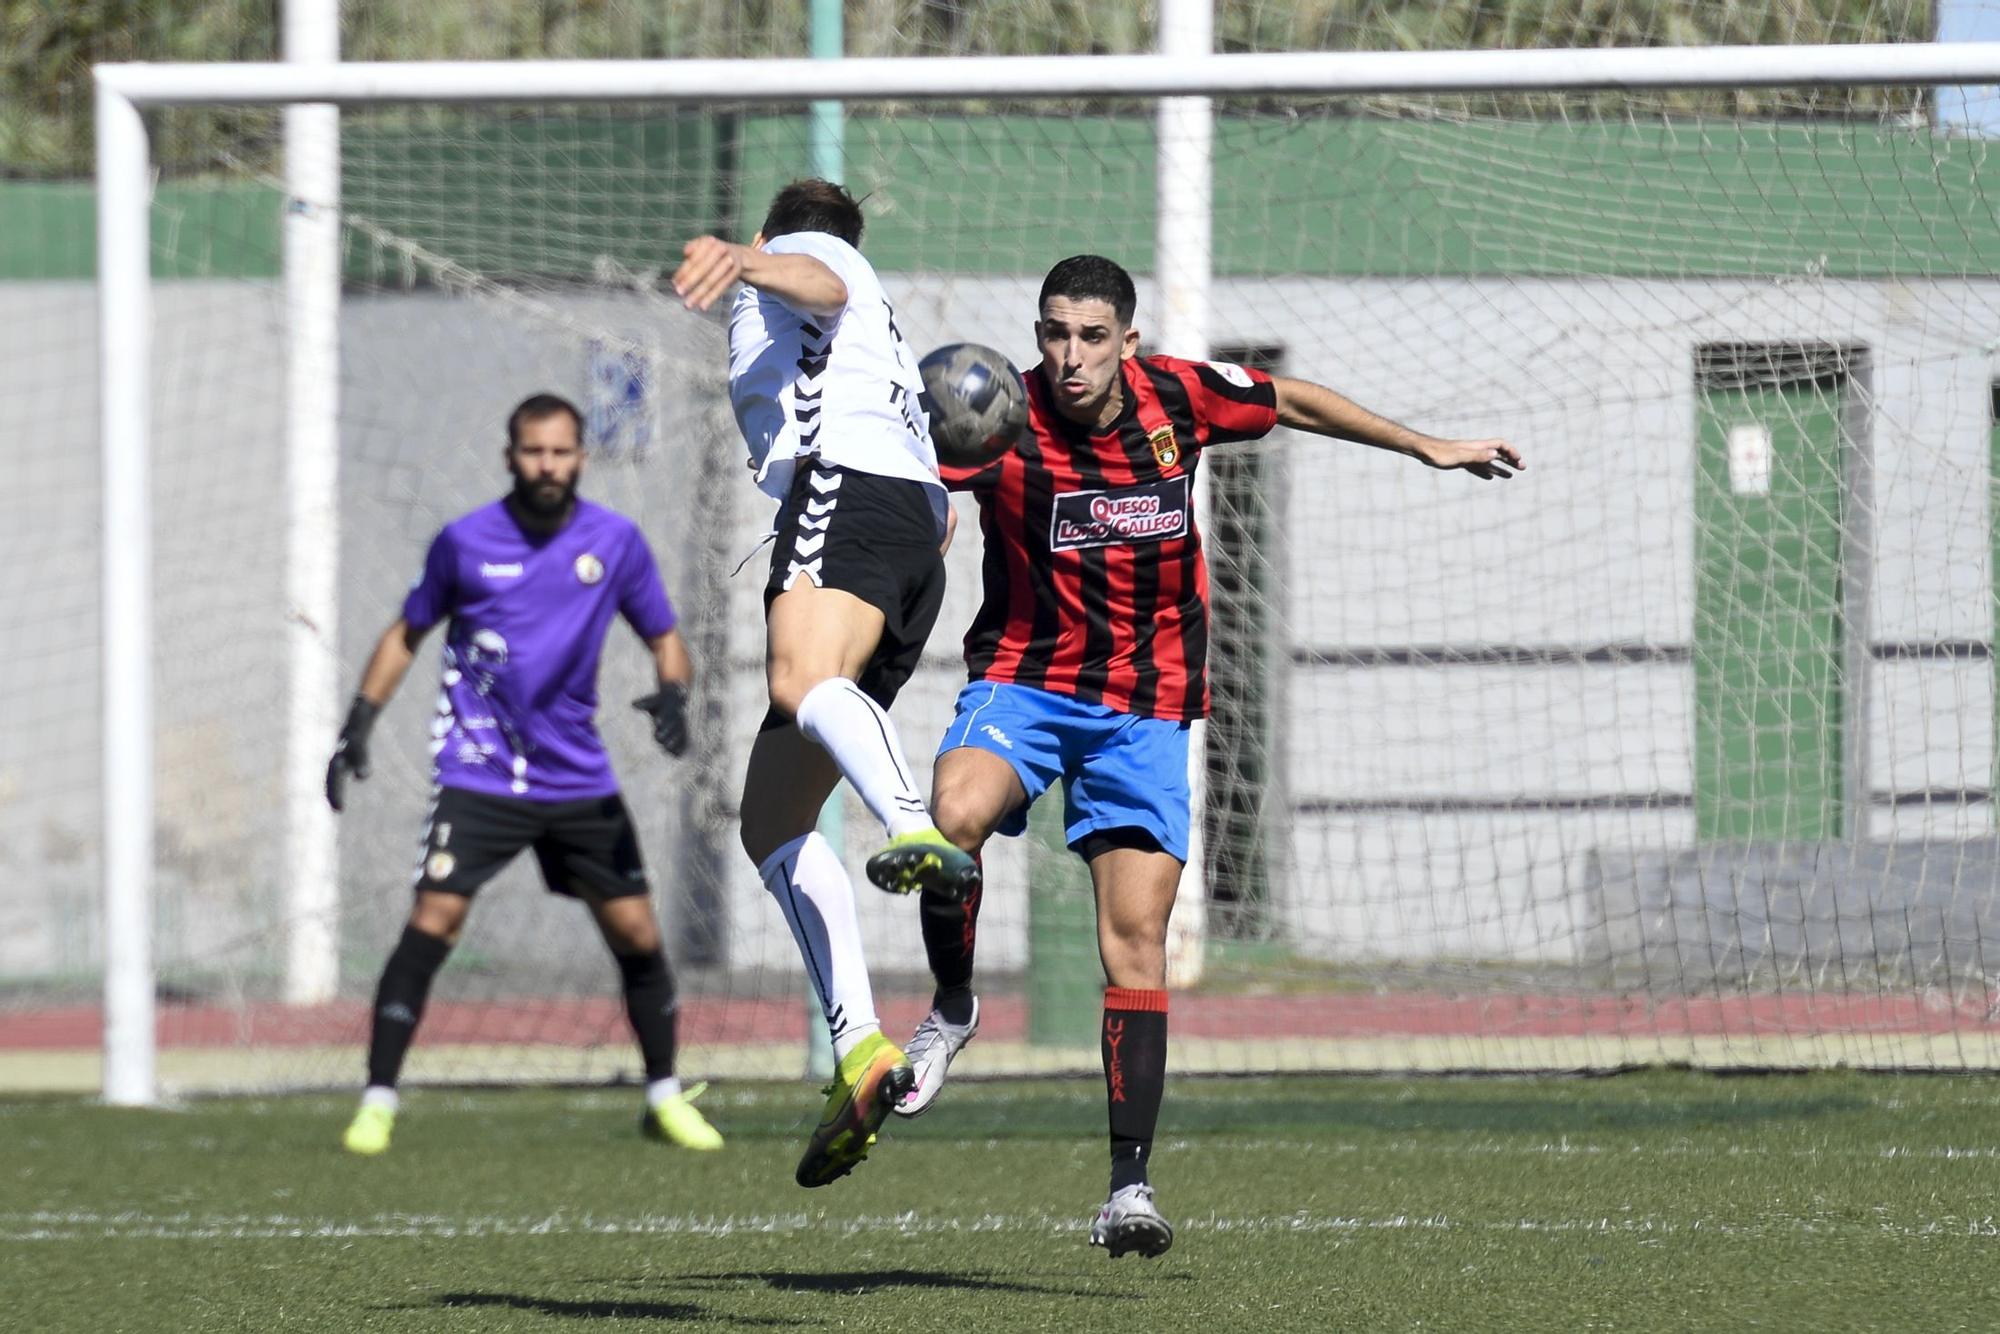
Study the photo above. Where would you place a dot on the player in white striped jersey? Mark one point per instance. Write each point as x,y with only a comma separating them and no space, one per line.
826,393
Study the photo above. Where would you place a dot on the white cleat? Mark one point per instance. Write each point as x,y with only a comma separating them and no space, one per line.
1129,1222
930,1053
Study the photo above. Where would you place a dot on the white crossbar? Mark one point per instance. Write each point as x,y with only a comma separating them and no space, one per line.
797,81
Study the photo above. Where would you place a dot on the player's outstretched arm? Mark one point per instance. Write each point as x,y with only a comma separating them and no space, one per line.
710,266
1305,406
668,705
387,666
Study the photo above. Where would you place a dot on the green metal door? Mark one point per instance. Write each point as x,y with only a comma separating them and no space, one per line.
1769,629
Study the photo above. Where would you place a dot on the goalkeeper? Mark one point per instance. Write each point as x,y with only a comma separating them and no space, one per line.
1088,663
529,584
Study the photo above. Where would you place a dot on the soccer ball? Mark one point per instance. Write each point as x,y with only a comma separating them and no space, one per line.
976,403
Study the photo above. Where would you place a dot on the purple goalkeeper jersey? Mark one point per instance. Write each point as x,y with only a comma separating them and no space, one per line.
517,708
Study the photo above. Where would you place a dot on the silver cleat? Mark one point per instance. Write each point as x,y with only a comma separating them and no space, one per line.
930,1053
1129,1222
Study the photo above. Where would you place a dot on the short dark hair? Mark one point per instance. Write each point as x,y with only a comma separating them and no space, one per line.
537,406
814,205
1091,278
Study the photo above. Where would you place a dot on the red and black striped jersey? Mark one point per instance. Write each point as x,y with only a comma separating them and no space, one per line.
1095,585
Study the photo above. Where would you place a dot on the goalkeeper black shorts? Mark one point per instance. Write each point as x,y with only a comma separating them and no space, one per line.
587,848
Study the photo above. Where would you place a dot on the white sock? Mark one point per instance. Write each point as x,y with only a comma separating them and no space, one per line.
854,730
817,898
659,1090
379,1095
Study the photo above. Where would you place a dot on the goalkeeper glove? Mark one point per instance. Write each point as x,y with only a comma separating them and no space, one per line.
350,753
668,705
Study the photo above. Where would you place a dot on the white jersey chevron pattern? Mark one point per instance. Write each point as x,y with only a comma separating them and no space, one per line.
844,386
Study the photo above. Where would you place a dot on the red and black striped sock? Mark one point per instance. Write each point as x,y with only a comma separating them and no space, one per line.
950,931
1134,1048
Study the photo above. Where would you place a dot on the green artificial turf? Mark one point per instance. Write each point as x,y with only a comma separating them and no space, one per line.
1663,1200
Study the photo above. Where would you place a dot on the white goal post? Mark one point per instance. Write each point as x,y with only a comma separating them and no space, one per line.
124,92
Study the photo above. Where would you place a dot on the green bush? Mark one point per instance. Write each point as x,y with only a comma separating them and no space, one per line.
47,49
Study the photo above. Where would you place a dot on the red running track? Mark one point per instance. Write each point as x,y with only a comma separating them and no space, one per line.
569,1021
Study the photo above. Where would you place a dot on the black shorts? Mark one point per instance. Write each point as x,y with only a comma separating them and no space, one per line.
872,536
588,848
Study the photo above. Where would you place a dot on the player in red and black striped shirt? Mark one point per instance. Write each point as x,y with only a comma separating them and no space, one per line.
1095,584
1089,660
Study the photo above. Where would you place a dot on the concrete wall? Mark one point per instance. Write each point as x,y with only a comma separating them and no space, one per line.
1593,545
1420,835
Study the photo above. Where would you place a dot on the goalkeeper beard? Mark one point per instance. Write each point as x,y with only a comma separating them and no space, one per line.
542,507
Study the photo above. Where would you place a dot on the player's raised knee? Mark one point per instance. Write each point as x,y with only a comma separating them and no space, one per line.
971,792
791,681
963,816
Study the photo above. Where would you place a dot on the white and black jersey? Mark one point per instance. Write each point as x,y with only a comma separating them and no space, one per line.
842,386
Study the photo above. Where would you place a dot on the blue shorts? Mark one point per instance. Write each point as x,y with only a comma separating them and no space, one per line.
1119,771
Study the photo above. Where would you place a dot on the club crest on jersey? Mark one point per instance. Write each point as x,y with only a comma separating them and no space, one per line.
589,569
1166,450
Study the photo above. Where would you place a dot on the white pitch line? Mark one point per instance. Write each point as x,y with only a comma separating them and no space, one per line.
86,1226
1566,1148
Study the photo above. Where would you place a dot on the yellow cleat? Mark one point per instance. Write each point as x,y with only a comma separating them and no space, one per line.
675,1121
870,1081
368,1133
925,860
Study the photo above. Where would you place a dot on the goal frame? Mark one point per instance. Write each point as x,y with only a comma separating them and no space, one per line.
1183,77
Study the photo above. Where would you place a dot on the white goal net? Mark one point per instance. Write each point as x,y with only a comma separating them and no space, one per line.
1679,747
